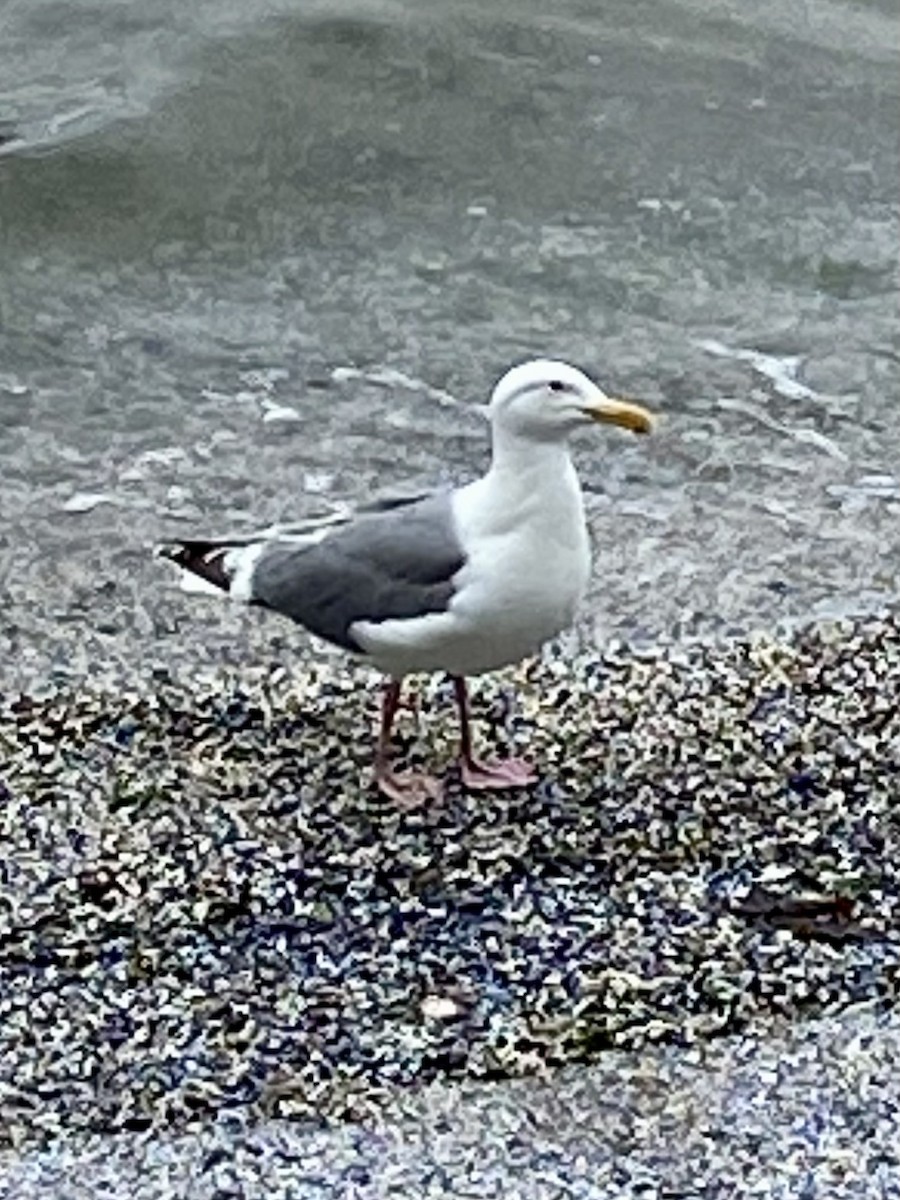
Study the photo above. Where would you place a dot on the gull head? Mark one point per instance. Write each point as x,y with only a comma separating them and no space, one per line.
548,400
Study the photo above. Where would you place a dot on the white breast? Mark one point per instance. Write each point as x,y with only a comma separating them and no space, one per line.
526,572
528,561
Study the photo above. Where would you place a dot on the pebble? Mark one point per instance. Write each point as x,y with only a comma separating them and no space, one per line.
207,912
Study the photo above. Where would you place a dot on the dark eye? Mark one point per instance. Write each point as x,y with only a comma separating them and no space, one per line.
556,385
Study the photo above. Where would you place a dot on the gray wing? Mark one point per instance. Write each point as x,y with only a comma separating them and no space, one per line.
393,561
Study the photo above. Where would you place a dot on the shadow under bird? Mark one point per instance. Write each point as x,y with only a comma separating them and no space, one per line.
461,581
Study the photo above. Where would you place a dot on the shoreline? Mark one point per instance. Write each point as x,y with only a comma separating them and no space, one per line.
269,643
747,1116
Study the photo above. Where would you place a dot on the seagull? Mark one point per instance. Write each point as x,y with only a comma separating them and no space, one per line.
460,581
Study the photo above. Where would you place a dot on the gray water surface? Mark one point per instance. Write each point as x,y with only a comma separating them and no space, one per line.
256,259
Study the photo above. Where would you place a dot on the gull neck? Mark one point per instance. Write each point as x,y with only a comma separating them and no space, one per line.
529,459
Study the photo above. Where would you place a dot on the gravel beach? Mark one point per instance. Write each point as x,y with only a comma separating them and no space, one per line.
207,912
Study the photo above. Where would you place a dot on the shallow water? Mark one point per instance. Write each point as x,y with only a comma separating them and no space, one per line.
255,259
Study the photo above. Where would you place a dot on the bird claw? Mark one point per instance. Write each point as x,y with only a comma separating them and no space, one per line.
496,775
409,789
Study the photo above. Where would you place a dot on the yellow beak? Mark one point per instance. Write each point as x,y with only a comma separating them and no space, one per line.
620,412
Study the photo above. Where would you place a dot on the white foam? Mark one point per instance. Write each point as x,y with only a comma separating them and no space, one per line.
14,387
264,378
868,487
781,372
390,377
143,464
810,437
317,483
166,456
83,502
280,414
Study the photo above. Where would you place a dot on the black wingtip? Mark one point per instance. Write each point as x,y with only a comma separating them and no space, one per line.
203,559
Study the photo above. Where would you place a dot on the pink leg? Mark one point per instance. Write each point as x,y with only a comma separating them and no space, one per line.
406,788
486,776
